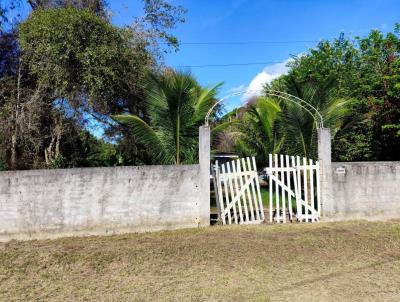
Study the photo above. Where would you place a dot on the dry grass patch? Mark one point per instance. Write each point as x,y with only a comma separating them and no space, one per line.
352,261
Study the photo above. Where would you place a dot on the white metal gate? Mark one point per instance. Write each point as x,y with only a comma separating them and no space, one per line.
294,186
237,191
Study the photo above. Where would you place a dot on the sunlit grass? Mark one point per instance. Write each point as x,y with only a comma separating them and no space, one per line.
292,262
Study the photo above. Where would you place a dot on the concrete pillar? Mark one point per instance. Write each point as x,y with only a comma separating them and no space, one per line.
325,161
204,174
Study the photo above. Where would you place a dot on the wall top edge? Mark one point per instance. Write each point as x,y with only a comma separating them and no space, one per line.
99,169
366,163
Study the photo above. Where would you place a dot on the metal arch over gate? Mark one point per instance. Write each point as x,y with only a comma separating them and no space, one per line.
284,96
294,187
238,193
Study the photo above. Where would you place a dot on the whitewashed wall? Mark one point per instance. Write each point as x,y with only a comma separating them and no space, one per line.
48,203
365,189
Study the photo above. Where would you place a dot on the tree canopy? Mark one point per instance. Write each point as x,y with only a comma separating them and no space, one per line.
76,55
354,84
65,67
367,71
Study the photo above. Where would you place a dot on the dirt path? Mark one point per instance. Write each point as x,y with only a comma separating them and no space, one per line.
353,261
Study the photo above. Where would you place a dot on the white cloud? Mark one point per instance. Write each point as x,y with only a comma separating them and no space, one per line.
266,76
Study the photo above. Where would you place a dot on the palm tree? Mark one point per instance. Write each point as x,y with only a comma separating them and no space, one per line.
299,127
252,130
266,125
176,106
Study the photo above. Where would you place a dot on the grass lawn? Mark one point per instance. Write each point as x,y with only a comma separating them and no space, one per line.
347,261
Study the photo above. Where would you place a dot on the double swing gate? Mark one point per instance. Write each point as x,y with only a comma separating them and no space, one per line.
293,186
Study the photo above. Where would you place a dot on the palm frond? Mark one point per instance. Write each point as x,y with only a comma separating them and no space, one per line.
144,133
335,113
206,100
176,106
266,110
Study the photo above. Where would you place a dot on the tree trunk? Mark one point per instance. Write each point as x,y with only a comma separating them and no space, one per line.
52,152
14,136
13,162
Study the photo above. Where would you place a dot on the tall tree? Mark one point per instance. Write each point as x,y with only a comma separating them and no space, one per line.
379,82
298,126
177,106
76,62
365,72
74,67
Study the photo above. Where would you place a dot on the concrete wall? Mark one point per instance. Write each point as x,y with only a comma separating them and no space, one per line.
48,203
365,189
325,162
204,162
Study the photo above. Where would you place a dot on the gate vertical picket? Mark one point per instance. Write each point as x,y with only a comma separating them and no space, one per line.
227,199
282,163
305,187
231,185
239,175
218,190
236,187
261,207
289,187
295,184
270,180
247,189
277,189
299,186
253,190
312,185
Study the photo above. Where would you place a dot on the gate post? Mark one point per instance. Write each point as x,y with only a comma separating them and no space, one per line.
325,161
204,175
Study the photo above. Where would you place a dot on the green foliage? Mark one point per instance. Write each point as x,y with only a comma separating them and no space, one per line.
162,16
58,163
3,165
255,133
74,53
85,150
97,7
357,146
298,126
366,74
67,64
274,126
380,79
177,106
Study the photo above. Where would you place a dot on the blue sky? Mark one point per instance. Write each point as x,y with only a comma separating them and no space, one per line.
261,20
